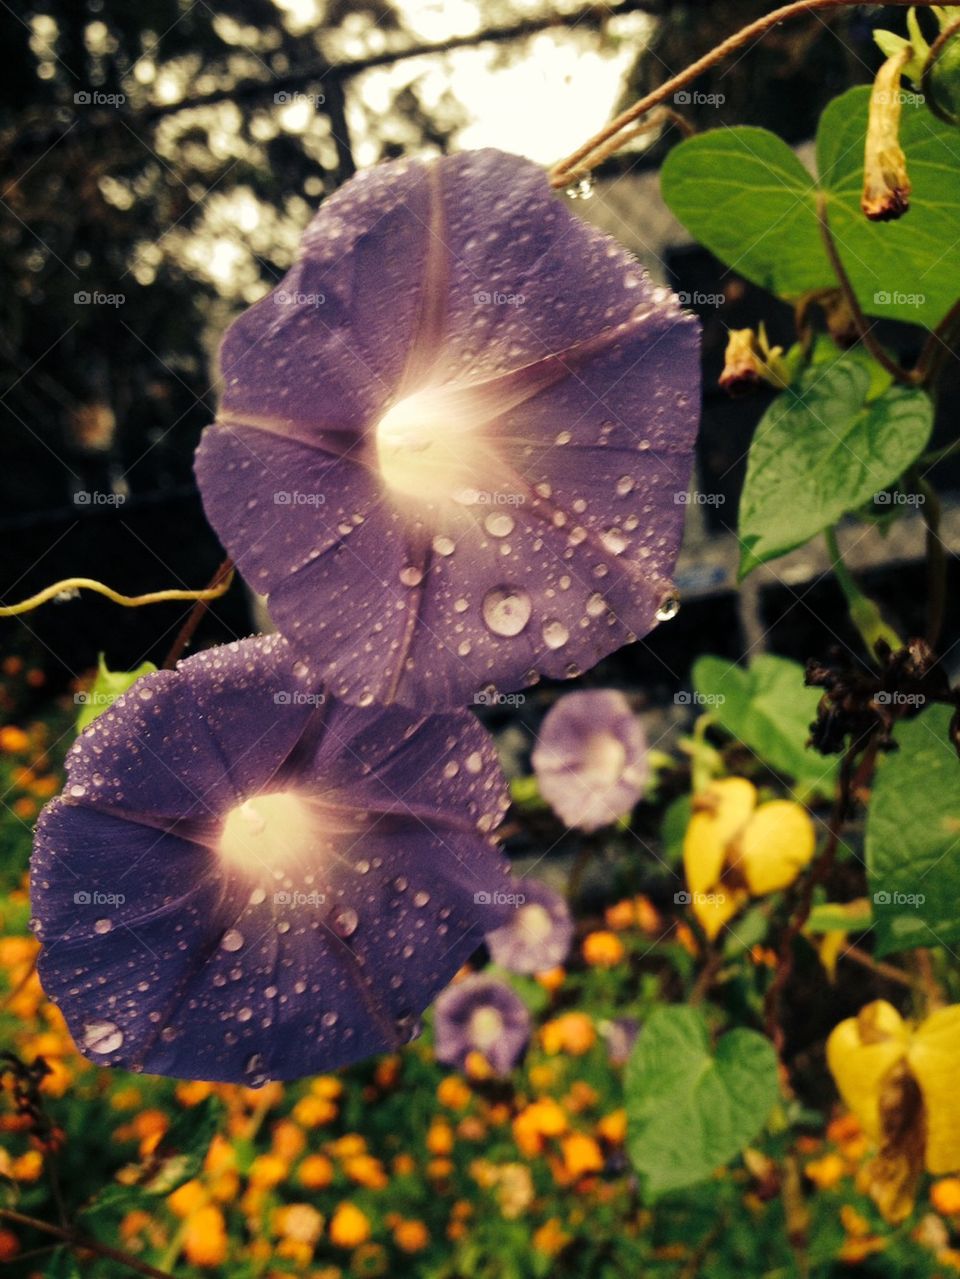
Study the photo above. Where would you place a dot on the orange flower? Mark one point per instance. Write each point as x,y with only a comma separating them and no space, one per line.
552,978
581,1155
613,1127
299,1222
267,1171
326,1086
945,1196
550,1238
288,1141
620,916
826,1172
540,1120
311,1112
349,1227
454,1093
187,1199
404,1165
315,1172
192,1092
9,1245
440,1138
27,1167
573,1033
367,1171
205,1238
603,949
411,1236
14,740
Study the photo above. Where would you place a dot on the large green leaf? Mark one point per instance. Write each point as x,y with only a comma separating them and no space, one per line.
744,194
822,449
770,710
690,1109
913,837
905,269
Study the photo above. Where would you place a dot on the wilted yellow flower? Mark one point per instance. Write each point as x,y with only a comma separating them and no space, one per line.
886,186
900,1081
734,847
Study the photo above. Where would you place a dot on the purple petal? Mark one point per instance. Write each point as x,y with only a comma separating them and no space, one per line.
591,758
538,935
462,467
481,1014
302,881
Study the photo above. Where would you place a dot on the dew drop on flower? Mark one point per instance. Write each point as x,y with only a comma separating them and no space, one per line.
102,1037
344,921
506,610
555,634
232,939
669,608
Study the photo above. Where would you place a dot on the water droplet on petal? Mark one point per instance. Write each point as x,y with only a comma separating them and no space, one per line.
669,607
421,898
411,575
232,939
344,921
102,926
102,1037
555,634
499,524
444,545
506,610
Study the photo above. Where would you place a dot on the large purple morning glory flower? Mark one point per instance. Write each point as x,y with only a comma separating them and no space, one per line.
481,1014
453,444
537,935
246,879
591,758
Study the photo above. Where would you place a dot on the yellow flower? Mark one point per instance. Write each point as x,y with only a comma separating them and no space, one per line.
551,978
573,1033
315,1172
537,1121
205,1238
192,1091
187,1199
365,1170
327,1086
288,1141
299,1222
826,1172
349,1227
27,1167
900,1082
945,1196
613,1127
311,1112
603,949
454,1093
13,739
411,1236
734,847
581,1155
550,1238
267,1171
440,1138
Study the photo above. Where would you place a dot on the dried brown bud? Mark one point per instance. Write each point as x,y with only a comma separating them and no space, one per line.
886,186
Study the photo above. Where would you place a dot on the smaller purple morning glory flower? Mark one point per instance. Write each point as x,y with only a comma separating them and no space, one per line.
538,935
591,759
245,879
481,1014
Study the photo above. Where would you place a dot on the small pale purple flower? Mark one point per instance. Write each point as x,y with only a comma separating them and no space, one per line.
591,758
450,443
247,879
538,934
481,1014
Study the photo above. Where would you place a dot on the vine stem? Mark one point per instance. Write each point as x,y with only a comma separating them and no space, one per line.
864,613
219,585
580,162
76,1240
211,592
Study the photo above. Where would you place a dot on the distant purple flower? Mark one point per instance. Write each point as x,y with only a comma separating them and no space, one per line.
538,934
591,758
450,443
620,1034
481,1014
244,879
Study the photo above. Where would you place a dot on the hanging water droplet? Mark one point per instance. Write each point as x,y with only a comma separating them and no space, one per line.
669,607
232,939
102,1037
344,921
581,189
255,1071
506,610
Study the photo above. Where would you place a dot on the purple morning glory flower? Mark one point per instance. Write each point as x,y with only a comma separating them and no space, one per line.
450,442
481,1014
591,758
538,934
246,879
